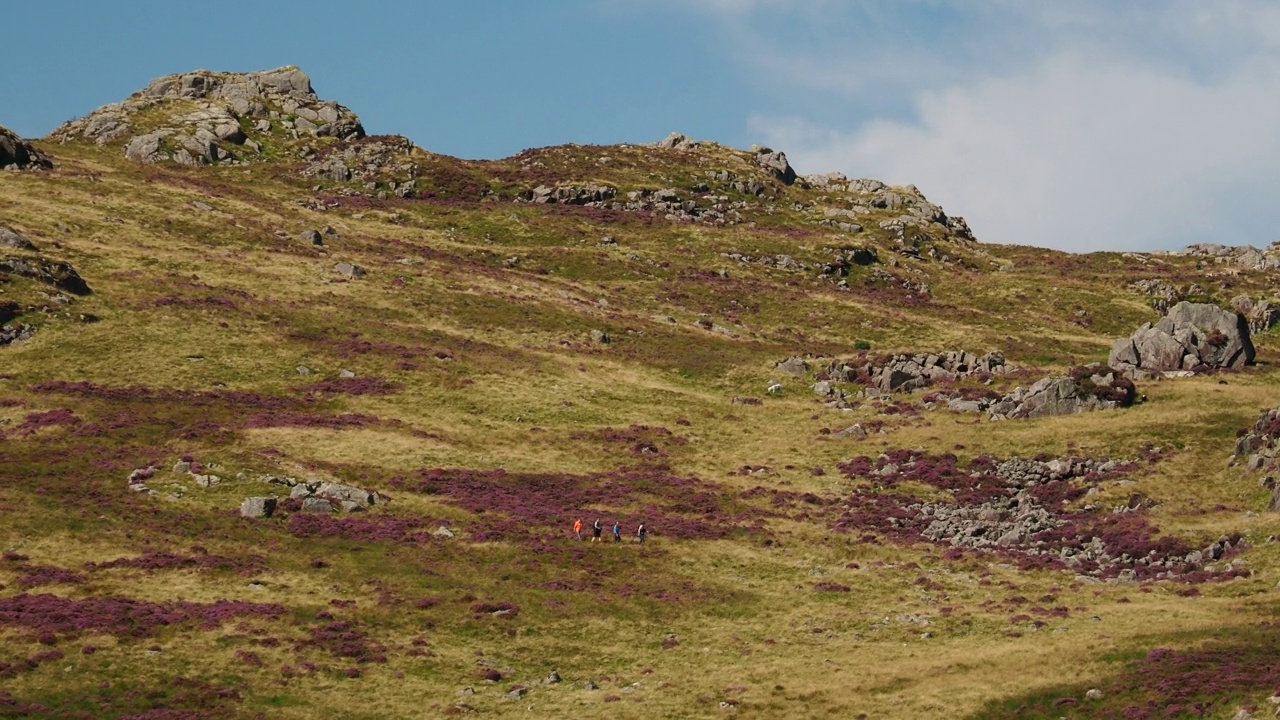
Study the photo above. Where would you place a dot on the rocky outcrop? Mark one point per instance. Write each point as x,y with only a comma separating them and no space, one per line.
1192,337
904,373
1245,256
318,496
392,161
59,274
677,141
865,198
1163,294
569,194
19,154
1083,389
210,117
776,163
1261,315
1065,395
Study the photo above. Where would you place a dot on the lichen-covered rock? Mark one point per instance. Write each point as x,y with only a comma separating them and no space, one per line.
1193,336
213,117
18,153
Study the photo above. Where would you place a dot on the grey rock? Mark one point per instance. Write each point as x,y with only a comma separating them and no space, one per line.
346,374
351,506
443,532
312,237
258,507
341,492
676,141
776,163
13,239
314,504
599,336
349,270
855,431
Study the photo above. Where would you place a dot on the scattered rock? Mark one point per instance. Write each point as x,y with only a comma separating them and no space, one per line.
312,237
1193,336
599,336
443,532
1093,694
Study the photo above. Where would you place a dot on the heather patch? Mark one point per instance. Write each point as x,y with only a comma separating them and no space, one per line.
344,639
159,561
123,617
1208,681
37,421
41,575
1023,509
532,506
639,440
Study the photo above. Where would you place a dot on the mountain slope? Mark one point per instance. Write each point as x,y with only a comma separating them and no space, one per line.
503,347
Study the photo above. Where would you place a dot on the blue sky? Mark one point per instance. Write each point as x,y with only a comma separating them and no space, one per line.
1079,125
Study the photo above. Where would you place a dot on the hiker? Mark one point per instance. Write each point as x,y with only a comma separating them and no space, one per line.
617,531
577,528
641,532
595,530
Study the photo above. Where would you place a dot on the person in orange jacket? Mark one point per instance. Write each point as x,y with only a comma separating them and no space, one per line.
577,529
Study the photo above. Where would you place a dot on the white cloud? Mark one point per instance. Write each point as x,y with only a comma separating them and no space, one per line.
1080,126
1078,153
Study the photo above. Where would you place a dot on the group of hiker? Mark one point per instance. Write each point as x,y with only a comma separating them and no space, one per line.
597,529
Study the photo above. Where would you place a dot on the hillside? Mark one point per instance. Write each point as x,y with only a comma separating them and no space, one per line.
296,422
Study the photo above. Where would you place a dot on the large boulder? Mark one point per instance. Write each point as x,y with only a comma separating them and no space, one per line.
18,153
205,117
1193,336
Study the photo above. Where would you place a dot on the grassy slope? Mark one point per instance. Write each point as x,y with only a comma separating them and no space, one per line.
493,367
